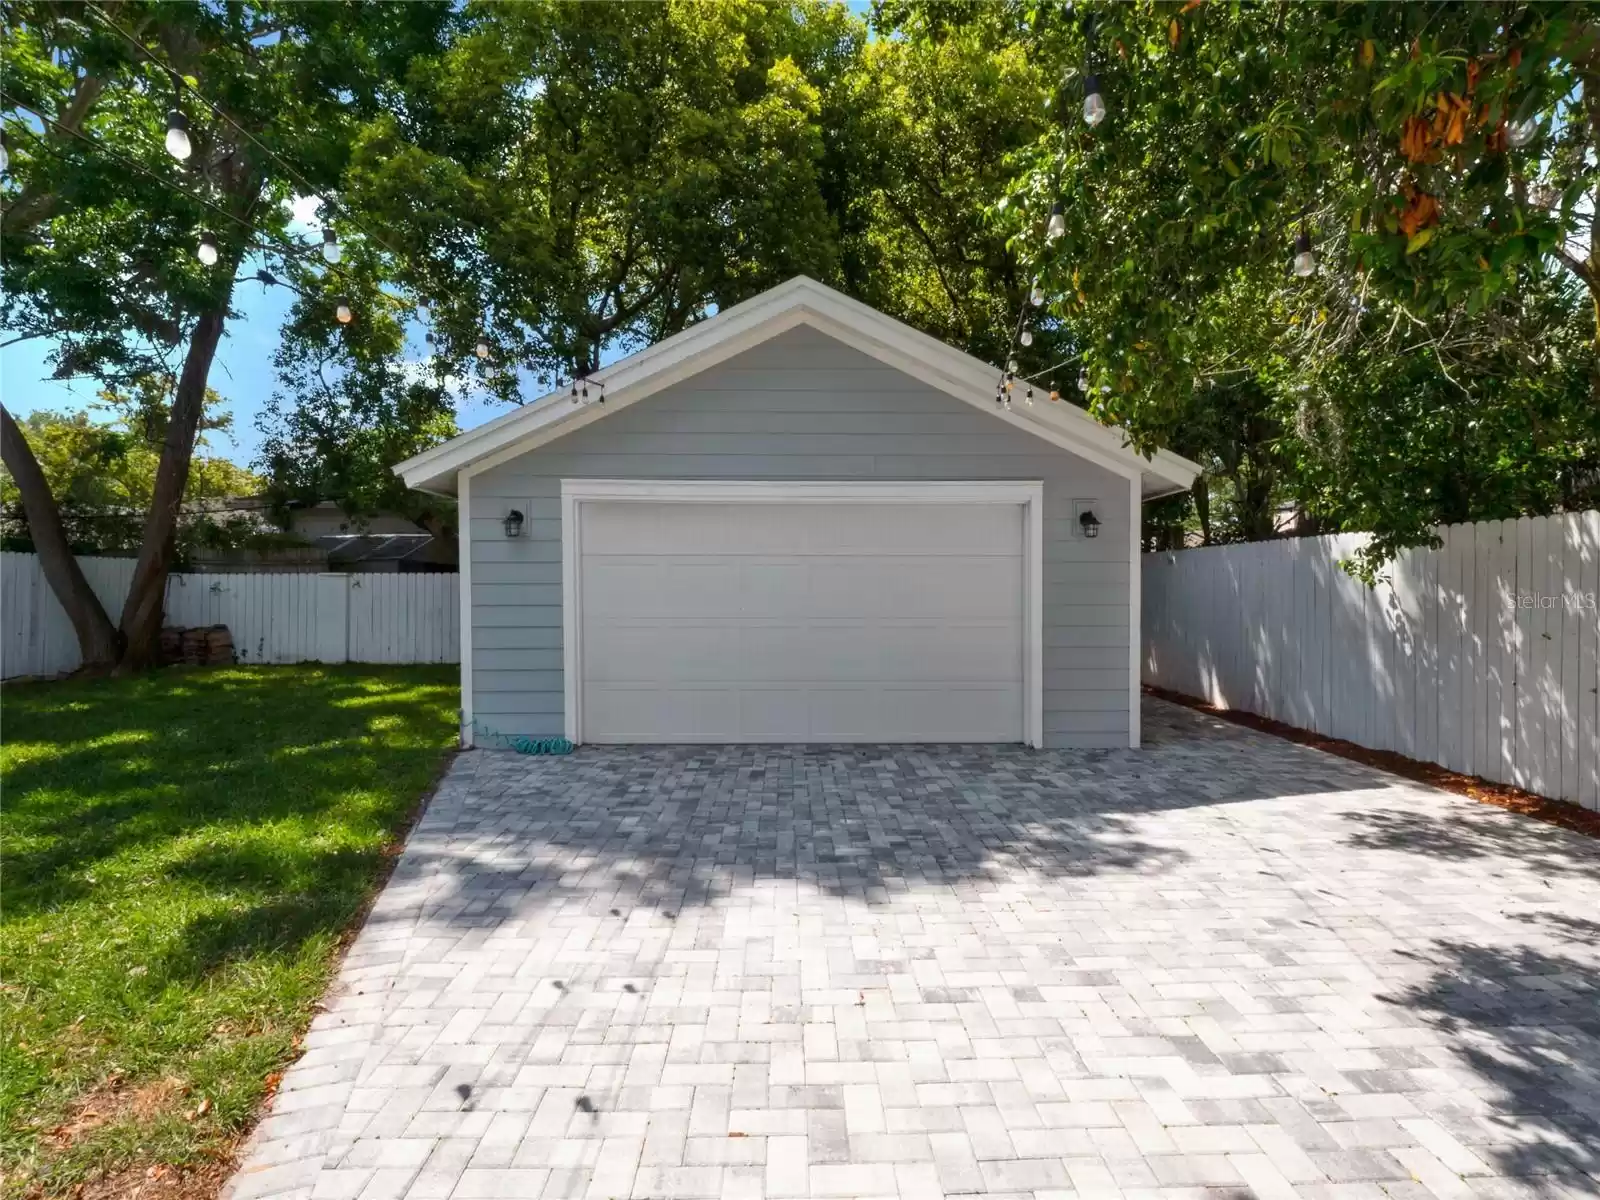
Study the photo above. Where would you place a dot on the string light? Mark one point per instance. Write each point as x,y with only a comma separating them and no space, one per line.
1055,393
1083,382
1037,296
422,311
343,312
1027,337
1094,105
5,160
1029,396
1305,259
331,253
1058,223
1523,132
482,348
206,252
267,242
178,144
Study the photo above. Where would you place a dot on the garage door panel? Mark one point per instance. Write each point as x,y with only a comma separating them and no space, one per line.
874,530
753,652
942,714
947,586
717,714
801,622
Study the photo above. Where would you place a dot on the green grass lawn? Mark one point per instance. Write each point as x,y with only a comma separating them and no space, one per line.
180,855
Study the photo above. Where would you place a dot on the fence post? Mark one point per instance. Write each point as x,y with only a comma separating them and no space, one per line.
333,617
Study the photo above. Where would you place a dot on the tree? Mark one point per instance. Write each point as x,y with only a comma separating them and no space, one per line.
937,109
100,227
564,178
349,407
101,465
1432,154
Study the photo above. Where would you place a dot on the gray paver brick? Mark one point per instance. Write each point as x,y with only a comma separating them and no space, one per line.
1221,962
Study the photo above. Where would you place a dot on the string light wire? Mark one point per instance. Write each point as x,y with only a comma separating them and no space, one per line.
288,169
261,240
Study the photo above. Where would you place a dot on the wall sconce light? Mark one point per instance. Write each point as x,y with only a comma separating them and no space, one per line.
513,523
1089,523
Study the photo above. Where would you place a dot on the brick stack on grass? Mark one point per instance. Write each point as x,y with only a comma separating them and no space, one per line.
199,646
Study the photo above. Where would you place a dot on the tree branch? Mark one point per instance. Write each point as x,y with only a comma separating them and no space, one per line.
36,204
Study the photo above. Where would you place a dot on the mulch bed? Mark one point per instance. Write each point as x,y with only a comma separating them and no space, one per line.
1555,812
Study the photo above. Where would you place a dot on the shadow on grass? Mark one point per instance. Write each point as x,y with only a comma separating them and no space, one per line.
110,768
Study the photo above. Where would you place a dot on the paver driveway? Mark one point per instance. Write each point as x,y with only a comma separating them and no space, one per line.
1221,965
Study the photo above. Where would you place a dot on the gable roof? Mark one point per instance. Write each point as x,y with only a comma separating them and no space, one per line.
800,301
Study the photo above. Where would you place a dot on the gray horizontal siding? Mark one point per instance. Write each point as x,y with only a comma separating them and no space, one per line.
799,407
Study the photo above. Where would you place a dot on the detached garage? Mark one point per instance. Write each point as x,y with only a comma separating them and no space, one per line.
798,521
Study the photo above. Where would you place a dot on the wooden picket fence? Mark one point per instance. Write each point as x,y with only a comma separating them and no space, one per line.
275,617
1479,656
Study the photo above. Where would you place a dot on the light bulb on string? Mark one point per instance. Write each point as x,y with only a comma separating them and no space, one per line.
1058,223
343,313
330,247
5,160
1055,393
1029,396
1037,295
1522,132
1011,366
1094,104
422,311
206,252
178,144
482,348
1305,259
1027,337
1083,382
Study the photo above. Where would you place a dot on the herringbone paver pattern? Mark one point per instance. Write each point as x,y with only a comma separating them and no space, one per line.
1219,966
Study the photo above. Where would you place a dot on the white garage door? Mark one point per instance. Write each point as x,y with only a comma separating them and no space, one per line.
801,622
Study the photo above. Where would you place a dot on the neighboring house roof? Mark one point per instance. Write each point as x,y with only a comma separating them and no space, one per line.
800,301
345,548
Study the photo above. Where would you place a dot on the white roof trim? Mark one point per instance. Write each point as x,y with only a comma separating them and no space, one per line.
800,301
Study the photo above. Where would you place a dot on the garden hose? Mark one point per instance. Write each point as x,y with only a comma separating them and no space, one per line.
525,745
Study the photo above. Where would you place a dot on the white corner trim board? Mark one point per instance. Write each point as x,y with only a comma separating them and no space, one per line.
464,582
1026,495
1135,607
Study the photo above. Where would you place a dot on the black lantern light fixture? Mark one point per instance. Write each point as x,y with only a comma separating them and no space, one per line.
513,523
1089,523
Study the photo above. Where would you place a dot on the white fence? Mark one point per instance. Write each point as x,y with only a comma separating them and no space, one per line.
275,618
1479,656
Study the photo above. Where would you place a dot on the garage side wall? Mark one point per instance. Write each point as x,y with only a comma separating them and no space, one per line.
801,406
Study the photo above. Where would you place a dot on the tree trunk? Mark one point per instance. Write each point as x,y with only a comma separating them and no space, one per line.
97,638
1202,506
142,612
